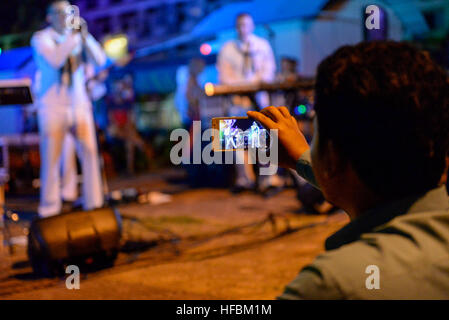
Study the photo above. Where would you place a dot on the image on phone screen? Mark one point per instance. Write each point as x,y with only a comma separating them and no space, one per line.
241,133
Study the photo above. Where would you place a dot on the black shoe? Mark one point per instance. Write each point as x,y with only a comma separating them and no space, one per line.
67,206
71,206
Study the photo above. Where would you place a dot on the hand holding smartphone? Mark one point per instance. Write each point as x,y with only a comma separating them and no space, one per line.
291,142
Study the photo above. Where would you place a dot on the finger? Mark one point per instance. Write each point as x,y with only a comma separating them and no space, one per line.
294,122
263,119
273,113
284,112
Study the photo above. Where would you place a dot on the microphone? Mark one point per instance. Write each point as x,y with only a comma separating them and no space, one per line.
81,26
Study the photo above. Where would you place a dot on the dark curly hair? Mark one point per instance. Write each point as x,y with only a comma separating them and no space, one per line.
385,107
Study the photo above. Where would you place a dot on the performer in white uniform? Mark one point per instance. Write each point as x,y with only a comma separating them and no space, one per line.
64,107
247,59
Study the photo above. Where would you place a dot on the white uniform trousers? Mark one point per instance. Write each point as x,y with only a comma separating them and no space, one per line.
54,124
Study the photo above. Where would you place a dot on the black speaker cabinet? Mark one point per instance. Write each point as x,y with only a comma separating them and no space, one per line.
88,239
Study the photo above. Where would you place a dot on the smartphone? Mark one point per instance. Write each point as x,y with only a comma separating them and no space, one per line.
238,133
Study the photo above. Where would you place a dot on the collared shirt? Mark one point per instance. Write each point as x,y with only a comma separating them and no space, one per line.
403,245
234,57
51,52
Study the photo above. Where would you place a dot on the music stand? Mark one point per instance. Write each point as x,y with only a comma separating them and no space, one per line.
14,92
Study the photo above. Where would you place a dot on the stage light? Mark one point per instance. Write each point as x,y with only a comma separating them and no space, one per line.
0,51
301,109
116,47
205,49
209,89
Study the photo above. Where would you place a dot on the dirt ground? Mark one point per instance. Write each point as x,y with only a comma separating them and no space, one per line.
211,261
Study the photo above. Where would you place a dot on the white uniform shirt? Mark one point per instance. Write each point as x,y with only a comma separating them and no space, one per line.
51,51
231,61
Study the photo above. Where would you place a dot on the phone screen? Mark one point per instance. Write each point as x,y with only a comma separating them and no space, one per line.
242,133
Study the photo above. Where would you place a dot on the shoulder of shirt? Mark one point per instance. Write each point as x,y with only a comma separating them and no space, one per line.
397,250
345,269
333,274
260,40
228,44
43,33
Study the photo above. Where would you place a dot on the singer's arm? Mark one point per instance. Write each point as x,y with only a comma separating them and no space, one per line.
55,54
94,50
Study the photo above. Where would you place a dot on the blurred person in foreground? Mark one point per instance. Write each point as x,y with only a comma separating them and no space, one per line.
61,54
380,152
